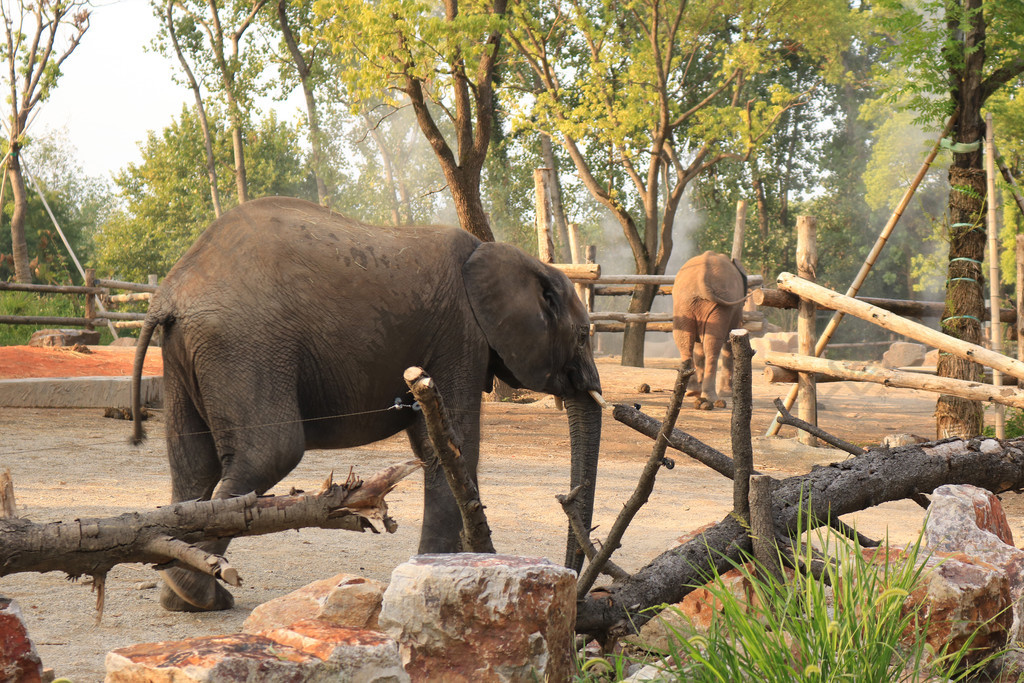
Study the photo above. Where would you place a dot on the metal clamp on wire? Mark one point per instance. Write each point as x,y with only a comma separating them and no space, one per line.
399,404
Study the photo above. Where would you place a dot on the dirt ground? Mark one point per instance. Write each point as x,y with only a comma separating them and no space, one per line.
68,464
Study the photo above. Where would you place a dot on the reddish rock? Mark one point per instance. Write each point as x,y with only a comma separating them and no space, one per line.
961,597
361,655
240,658
970,520
343,600
478,618
955,507
19,662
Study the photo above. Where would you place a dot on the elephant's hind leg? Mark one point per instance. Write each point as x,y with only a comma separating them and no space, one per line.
195,471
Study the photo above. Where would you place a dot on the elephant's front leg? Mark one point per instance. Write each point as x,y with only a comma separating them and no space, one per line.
442,520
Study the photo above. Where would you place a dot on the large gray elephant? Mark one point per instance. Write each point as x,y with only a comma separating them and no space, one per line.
288,327
707,302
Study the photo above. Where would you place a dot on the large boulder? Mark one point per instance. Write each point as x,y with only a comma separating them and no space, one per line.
18,658
478,617
970,520
343,600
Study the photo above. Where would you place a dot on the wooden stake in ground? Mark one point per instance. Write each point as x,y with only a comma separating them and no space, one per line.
742,407
476,533
995,340
807,268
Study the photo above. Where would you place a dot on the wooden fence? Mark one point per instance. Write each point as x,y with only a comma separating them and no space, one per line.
97,299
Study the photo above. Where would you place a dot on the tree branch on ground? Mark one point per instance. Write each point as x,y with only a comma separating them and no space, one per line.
170,533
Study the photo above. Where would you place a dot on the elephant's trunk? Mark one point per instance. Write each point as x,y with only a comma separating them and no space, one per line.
585,436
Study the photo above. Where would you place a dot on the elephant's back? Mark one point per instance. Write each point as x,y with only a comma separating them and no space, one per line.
280,242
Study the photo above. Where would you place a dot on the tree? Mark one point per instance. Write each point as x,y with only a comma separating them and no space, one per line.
166,203
648,95
307,57
79,202
211,34
448,59
954,55
39,35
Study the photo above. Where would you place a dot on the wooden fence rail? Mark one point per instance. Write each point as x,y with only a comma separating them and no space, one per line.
94,289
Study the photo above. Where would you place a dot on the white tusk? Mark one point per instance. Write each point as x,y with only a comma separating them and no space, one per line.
558,403
596,395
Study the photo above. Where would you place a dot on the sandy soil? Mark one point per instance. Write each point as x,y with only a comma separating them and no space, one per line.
74,463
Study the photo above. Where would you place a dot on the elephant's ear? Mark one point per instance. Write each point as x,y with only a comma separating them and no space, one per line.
517,302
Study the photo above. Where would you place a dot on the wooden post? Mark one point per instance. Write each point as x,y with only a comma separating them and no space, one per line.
994,327
90,299
574,242
762,527
807,268
545,247
738,231
742,405
590,256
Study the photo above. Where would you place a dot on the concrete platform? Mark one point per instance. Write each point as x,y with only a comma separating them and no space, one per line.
78,392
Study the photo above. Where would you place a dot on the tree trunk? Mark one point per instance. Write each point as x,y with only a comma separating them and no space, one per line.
312,115
204,124
19,243
635,333
238,145
557,209
965,297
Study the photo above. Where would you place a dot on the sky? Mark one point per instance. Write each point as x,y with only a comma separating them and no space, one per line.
114,90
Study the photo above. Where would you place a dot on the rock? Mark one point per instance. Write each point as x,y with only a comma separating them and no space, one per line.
18,658
64,337
125,341
478,617
782,342
964,599
342,600
644,388
961,516
970,520
904,355
694,614
363,656
217,659
897,440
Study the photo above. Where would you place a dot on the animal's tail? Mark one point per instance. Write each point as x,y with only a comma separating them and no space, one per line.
152,320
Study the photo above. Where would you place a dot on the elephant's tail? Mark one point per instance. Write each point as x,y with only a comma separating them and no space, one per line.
145,335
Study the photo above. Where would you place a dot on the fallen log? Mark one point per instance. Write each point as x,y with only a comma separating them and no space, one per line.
93,546
865,372
857,483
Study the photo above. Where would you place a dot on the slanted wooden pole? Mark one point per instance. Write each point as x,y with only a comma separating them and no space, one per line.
869,262
807,268
908,328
